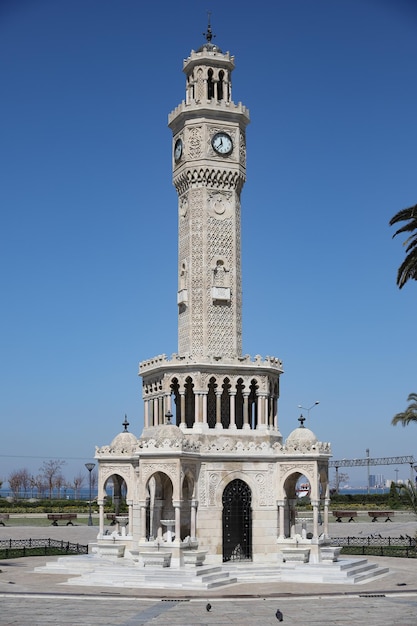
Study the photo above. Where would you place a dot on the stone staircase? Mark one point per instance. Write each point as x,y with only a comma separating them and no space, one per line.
108,573
91,571
344,571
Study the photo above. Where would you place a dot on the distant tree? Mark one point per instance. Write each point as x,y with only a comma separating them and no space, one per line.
77,483
19,482
340,478
59,483
39,484
50,471
25,480
408,268
409,415
15,484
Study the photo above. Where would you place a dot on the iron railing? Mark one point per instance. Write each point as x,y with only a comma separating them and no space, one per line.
13,548
378,546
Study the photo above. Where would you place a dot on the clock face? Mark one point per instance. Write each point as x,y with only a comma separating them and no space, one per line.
222,143
178,150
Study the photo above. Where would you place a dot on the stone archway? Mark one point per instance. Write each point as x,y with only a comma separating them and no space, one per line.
237,521
159,504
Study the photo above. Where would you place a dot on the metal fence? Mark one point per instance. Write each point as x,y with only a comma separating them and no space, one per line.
12,548
378,546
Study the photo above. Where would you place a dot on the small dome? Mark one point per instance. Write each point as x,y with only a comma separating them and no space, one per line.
124,440
168,432
303,436
209,47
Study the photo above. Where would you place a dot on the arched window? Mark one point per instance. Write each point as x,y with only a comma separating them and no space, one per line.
210,85
220,86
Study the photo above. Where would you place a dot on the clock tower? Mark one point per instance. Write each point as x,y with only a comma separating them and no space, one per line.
210,467
209,384
209,170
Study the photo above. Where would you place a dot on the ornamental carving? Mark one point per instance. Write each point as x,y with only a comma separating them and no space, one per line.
205,177
202,491
183,205
194,142
242,149
214,480
220,204
109,470
284,468
147,469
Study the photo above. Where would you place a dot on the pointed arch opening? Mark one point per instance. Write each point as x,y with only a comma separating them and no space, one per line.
237,521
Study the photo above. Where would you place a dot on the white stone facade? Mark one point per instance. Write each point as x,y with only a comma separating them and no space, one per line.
211,464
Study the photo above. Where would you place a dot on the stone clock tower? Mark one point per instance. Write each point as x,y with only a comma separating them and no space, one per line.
210,467
209,163
209,384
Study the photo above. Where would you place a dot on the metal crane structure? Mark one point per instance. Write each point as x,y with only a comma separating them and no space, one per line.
368,462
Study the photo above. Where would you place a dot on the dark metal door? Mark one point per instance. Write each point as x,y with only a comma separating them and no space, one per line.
237,521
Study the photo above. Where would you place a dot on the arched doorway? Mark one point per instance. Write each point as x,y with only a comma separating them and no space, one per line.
237,521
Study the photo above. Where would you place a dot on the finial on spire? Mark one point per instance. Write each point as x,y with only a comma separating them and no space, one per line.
209,34
125,424
301,419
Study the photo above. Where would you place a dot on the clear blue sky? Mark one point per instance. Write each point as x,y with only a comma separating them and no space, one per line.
89,215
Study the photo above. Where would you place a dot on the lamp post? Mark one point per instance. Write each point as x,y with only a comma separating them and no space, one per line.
90,467
309,409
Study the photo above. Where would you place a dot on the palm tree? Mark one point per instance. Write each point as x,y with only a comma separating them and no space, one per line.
409,490
408,268
409,415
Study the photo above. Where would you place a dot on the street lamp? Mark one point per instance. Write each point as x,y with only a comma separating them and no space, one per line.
309,409
90,467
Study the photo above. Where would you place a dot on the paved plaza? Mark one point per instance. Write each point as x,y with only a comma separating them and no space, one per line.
32,599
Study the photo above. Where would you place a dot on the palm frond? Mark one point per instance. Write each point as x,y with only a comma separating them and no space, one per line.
409,415
408,268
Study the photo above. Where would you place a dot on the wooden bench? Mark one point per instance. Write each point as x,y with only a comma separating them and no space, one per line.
376,514
112,517
57,517
3,516
349,514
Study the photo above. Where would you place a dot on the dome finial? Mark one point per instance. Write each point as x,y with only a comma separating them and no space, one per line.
125,424
301,419
209,34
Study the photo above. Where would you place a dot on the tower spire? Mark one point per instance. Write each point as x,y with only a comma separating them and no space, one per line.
209,34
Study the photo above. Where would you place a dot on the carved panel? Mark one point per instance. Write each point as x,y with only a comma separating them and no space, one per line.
147,469
194,142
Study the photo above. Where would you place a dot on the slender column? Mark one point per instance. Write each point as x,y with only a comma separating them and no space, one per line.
292,503
167,403
161,411
182,396
142,505
261,411
130,516
194,505
155,412
275,410
246,410
100,517
177,508
204,395
146,415
326,517
232,395
196,407
281,517
219,409
315,505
